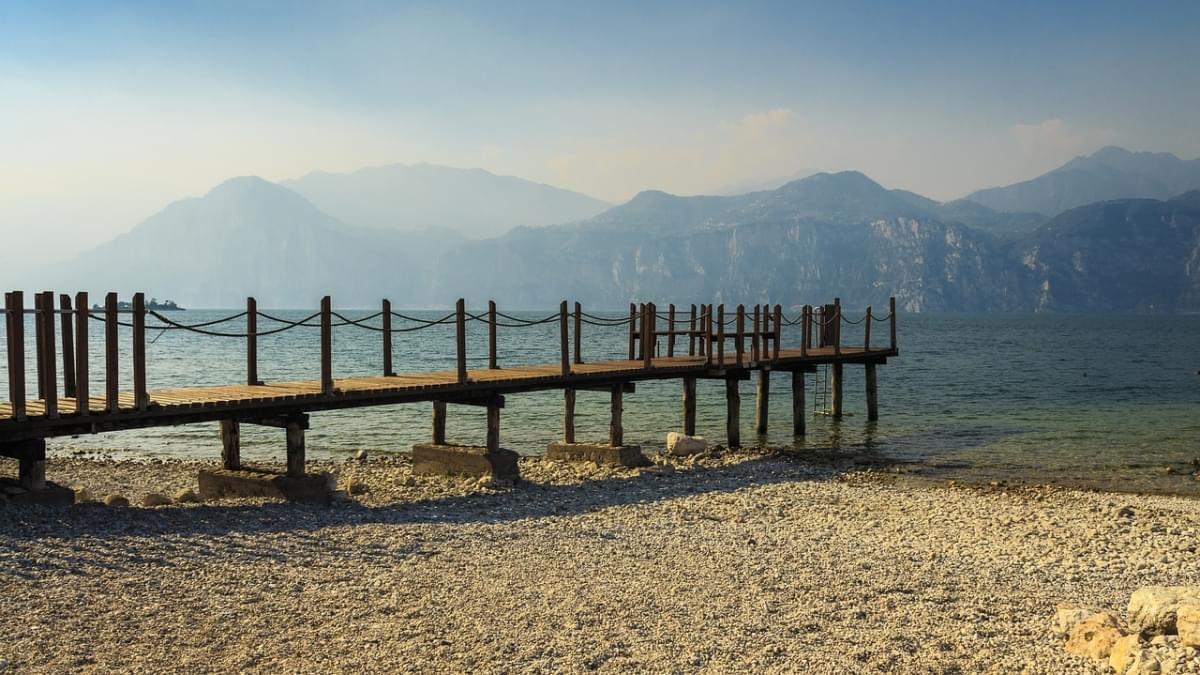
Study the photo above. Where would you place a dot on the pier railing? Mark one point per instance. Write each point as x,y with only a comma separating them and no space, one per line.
708,330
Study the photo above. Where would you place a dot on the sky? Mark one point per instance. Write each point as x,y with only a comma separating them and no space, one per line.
109,111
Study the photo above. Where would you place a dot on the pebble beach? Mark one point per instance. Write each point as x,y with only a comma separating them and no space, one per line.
751,561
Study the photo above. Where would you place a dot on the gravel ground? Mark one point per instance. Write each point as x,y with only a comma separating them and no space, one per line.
746,561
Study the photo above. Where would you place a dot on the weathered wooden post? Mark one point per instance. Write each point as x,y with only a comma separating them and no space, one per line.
892,319
39,344
31,467
65,315
835,383
837,326
231,445
706,340
82,385
691,332
48,349
632,329
564,350
805,329
670,330
616,432
762,401
15,323
568,415
778,331
141,397
578,335
112,371
798,405
326,345
720,333
252,342
647,335
492,364
733,405
755,336
872,398
867,330
493,428
689,405
439,422
741,331
460,333
294,428
386,310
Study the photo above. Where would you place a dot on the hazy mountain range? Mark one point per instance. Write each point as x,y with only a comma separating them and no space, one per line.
369,234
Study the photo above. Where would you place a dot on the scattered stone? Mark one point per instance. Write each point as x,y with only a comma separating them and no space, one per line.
360,456
1067,615
82,494
1123,651
115,500
681,444
1152,609
1095,636
1125,512
187,496
153,499
356,488
409,481
1187,623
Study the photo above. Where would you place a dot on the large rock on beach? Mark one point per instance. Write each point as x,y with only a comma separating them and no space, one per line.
1153,609
1066,615
681,444
1187,622
1095,636
155,499
1123,652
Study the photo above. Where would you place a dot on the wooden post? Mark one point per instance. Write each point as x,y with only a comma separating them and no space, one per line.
388,371
836,384
739,346
252,342
647,335
805,329
493,428
778,331
48,349
492,364
112,372
140,397
892,319
68,345
326,345
15,320
82,385
460,333
670,330
632,329
872,398
867,330
616,433
705,339
798,411
31,468
231,445
439,422
733,405
720,334
578,335
837,326
754,337
689,405
564,339
568,415
762,401
39,344
295,447
691,332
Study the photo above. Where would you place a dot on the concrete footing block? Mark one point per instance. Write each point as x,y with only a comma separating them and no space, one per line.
53,494
254,482
467,460
605,455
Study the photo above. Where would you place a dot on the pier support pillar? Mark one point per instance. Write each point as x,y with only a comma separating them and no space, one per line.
439,422
872,393
689,406
295,448
231,445
798,405
835,382
762,401
733,405
31,486
568,416
493,428
616,432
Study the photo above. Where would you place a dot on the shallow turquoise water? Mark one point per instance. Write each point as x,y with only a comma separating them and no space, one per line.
1106,401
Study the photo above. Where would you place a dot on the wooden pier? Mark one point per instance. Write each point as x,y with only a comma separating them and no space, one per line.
710,342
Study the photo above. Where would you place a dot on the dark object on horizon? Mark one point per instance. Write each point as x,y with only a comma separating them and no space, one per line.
153,305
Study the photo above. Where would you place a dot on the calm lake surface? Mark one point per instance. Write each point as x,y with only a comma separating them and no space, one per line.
1103,401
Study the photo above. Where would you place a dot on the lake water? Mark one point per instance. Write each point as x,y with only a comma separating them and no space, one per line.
1103,401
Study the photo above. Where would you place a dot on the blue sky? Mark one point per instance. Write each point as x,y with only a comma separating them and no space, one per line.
109,110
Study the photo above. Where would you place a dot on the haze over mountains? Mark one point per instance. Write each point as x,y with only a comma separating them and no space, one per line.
367,235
